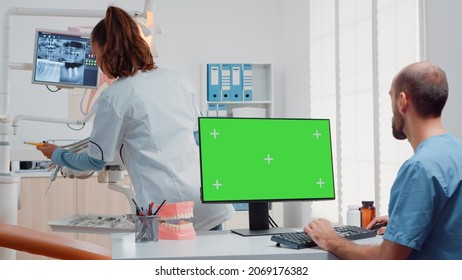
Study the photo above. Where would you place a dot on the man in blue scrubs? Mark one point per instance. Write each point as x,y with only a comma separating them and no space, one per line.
425,211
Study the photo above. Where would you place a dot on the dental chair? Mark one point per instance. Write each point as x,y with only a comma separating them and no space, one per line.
51,245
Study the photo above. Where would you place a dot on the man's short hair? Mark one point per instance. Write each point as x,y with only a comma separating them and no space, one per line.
426,85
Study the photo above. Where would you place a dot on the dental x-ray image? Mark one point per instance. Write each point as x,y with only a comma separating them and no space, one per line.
62,59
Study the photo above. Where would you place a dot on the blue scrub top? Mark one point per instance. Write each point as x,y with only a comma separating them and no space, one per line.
425,210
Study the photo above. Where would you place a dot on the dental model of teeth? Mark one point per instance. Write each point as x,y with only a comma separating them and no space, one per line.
173,225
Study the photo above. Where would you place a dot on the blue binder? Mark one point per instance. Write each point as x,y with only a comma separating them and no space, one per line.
213,82
225,82
247,82
236,82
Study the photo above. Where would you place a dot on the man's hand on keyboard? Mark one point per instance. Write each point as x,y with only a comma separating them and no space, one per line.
380,223
322,232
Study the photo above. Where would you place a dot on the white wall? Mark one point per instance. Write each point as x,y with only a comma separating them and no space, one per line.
295,58
444,47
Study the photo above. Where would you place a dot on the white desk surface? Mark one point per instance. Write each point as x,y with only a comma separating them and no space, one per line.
216,245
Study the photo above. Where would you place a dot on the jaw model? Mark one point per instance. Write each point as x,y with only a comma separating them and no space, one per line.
173,224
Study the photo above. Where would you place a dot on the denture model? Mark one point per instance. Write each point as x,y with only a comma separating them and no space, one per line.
173,221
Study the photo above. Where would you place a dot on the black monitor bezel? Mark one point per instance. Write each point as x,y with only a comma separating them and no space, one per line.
266,199
258,211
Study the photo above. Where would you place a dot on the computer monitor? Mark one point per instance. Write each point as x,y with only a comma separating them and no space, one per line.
64,59
263,160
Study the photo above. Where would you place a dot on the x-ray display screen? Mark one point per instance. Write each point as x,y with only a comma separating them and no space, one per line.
64,59
271,159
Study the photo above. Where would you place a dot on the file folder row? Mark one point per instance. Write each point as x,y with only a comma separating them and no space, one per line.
229,82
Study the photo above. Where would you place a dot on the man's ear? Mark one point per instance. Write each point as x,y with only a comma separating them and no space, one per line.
403,102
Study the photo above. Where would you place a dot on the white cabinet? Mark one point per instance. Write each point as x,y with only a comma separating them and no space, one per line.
66,198
223,79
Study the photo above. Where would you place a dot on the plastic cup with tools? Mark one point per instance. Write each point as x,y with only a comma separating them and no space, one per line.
146,228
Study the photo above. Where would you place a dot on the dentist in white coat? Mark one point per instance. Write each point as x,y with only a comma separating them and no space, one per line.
148,116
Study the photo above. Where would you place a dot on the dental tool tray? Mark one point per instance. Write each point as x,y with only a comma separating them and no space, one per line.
94,223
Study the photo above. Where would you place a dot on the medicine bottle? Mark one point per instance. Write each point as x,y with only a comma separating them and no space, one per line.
353,216
367,213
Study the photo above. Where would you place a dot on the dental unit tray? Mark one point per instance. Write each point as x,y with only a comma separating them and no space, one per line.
174,223
93,223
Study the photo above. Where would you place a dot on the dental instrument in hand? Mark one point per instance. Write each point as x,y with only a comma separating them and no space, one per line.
74,147
53,177
37,144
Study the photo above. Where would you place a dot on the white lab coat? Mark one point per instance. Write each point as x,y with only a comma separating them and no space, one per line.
149,119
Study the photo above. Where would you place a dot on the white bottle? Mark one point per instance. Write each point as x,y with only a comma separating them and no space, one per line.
353,216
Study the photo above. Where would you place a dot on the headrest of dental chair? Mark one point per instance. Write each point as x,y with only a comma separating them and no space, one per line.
50,244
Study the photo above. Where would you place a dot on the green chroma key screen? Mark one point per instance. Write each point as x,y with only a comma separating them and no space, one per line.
272,159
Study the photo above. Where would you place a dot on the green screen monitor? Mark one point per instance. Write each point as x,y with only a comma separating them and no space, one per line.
258,161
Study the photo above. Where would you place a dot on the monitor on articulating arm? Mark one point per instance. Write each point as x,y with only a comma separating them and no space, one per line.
64,59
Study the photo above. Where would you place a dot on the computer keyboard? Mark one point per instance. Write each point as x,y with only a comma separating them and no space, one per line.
300,240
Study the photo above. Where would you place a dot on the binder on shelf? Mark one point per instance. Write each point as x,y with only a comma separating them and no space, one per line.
225,82
212,110
213,82
247,82
222,110
236,82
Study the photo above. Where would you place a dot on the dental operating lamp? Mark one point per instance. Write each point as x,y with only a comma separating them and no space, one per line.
10,182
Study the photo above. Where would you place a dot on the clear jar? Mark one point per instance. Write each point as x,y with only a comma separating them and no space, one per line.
353,216
367,213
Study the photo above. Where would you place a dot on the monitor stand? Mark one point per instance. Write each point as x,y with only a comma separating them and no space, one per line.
259,222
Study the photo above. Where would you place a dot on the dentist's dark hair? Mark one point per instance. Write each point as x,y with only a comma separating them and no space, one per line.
124,52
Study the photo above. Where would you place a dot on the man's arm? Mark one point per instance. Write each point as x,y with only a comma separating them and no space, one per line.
322,233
